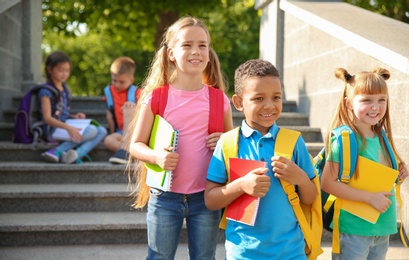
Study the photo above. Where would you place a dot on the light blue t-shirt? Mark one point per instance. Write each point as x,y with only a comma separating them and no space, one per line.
276,233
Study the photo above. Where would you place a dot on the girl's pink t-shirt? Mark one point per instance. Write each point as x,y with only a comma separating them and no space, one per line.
188,112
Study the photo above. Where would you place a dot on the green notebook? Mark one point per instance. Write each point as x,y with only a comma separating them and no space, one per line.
162,136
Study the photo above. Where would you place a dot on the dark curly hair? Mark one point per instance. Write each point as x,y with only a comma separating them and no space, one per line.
250,69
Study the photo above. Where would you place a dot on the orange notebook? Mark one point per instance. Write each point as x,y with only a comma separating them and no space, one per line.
244,208
373,177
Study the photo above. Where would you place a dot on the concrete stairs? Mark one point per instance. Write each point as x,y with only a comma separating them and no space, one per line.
57,211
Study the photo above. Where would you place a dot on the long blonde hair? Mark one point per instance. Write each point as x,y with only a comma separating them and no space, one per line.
364,82
162,71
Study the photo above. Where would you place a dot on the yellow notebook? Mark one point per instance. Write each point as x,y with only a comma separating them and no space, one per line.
162,135
373,177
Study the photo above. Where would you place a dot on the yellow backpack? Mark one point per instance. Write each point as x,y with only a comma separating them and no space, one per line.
309,216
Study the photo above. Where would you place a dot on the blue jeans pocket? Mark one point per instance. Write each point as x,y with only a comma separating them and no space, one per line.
155,192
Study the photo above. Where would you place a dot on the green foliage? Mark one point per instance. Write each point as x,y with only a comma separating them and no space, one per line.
397,9
93,33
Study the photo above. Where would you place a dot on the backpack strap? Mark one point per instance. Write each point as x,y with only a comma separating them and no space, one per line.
57,94
391,152
230,144
216,110
159,100
109,98
69,95
285,143
348,150
216,106
132,94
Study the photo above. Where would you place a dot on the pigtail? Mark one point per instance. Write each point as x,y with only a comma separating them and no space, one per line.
213,75
342,114
343,75
384,73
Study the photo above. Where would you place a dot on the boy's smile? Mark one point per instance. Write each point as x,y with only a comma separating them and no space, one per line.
261,102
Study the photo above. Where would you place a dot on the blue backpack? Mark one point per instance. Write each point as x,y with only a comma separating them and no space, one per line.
28,126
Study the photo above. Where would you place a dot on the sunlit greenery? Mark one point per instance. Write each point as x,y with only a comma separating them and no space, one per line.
94,32
396,9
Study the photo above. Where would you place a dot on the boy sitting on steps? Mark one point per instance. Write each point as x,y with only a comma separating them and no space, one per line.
120,96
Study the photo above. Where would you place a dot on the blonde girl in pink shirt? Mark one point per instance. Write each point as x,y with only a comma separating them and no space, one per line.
187,62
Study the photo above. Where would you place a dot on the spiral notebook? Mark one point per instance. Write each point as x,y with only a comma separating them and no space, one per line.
243,209
162,136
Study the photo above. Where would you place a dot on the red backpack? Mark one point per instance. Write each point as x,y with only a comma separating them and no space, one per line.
216,104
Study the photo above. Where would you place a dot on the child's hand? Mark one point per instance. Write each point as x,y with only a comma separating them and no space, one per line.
75,134
287,170
403,172
167,160
256,183
380,201
128,110
79,115
212,140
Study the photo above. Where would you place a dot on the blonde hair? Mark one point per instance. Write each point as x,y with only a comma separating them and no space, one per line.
162,71
364,82
123,65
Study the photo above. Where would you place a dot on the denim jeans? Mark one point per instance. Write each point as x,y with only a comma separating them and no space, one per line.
166,213
92,136
362,247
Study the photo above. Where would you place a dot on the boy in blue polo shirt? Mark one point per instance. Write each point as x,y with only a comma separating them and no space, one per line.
276,233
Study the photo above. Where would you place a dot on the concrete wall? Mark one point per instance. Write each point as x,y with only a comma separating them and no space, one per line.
20,48
320,36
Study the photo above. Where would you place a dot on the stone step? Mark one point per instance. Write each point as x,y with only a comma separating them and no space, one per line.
396,251
96,114
72,228
64,198
92,252
80,103
10,151
79,228
50,173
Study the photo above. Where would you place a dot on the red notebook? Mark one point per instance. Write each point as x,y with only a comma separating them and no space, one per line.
244,208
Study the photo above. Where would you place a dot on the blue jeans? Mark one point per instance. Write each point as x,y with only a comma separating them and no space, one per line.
92,136
166,212
362,247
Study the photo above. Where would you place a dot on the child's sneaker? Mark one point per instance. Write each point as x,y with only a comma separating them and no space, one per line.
69,156
120,157
52,155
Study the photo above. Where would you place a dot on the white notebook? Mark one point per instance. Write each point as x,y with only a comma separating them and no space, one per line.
62,134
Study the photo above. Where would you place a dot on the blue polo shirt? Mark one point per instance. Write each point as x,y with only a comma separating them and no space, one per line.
276,233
